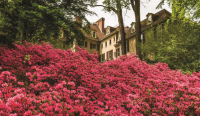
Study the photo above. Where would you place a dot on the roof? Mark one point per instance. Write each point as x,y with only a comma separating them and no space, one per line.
95,28
157,18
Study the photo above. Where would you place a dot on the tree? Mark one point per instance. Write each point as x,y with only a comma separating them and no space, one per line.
42,20
8,22
116,6
183,9
136,8
178,45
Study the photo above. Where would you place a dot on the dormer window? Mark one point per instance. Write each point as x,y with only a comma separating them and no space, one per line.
107,31
133,28
94,34
149,19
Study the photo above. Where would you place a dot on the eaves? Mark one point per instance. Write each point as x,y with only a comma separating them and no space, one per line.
106,36
147,27
94,39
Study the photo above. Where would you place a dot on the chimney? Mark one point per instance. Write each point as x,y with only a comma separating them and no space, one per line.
100,23
127,27
78,19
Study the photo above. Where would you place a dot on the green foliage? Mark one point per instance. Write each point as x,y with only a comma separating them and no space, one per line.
178,45
182,8
115,5
43,20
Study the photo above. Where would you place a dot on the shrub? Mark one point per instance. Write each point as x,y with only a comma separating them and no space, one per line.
40,80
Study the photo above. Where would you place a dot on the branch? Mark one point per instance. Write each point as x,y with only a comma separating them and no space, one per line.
114,10
133,4
143,4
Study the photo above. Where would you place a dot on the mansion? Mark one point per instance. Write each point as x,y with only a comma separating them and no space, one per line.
106,40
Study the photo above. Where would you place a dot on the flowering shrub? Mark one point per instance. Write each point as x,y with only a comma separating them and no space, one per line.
39,80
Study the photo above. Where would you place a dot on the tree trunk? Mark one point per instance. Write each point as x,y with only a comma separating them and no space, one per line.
136,9
121,30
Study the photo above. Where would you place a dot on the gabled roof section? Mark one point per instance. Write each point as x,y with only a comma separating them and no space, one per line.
157,18
115,30
127,29
112,29
95,28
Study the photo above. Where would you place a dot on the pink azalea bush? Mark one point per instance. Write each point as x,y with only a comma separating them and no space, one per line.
42,81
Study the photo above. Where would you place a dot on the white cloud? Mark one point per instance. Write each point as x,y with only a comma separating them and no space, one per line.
128,15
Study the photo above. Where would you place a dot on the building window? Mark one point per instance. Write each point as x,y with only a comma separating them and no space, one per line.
110,41
162,25
143,37
119,37
85,44
106,44
133,28
109,55
94,34
114,39
107,31
94,46
101,46
103,57
117,52
149,19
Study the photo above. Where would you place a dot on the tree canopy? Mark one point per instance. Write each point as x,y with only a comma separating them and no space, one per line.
183,9
42,20
177,45
116,6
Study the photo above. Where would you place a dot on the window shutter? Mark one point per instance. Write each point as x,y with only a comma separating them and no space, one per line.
98,46
103,57
85,44
111,54
107,55
99,58
127,45
116,53
143,38
90,45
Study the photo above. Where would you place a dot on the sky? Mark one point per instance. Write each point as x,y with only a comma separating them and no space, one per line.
128,15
